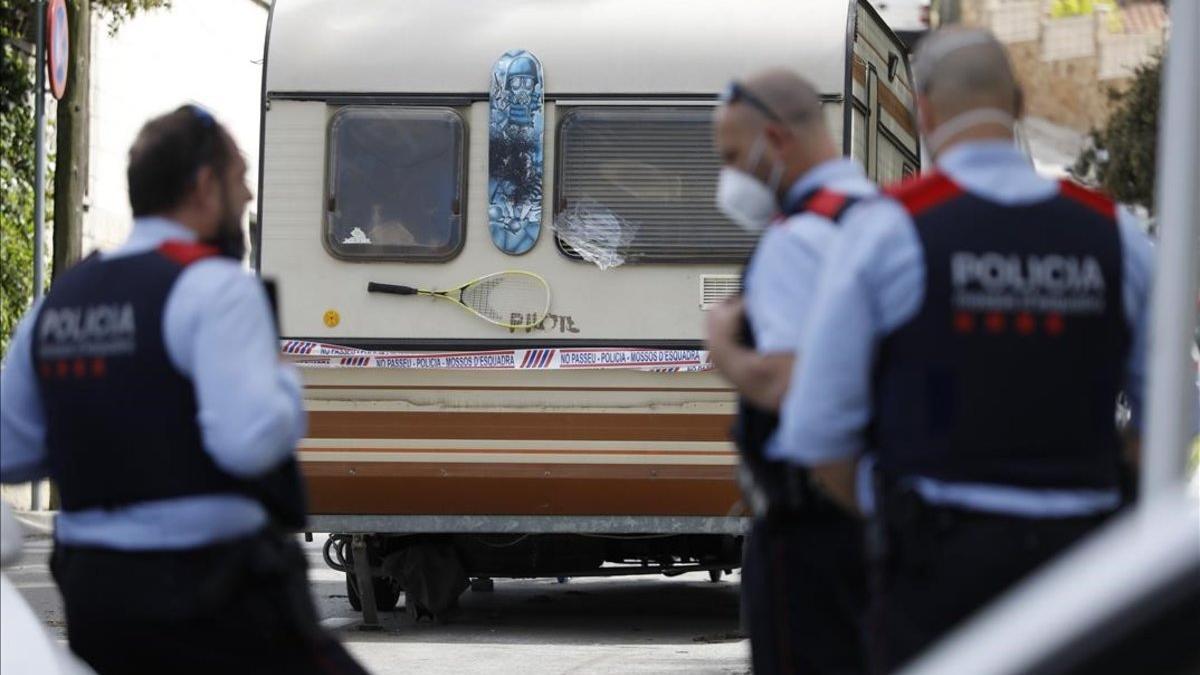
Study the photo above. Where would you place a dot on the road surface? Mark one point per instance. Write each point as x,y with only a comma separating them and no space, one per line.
613,625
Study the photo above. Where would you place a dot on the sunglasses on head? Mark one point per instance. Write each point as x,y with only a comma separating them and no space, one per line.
736,92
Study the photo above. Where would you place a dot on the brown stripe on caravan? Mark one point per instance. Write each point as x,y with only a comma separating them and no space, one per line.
520,489
888,100
435,387
565,450
896,108
519,426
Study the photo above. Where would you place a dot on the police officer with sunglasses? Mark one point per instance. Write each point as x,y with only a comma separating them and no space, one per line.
783,176
148,386
964,360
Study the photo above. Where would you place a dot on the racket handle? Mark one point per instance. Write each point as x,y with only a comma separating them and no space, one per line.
376,287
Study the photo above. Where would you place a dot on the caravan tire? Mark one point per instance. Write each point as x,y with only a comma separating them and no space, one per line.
386,594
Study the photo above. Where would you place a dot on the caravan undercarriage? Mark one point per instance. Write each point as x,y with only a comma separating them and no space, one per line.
432,569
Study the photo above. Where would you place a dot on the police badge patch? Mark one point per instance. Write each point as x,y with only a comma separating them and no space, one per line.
515,152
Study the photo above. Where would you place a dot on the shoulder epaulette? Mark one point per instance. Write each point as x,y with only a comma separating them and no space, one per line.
924,192
829,204
1093,199
186,253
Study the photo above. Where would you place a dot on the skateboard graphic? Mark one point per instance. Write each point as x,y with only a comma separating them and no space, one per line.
515,152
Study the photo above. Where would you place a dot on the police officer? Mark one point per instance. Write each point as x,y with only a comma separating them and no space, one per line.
148,386
972,336
802,579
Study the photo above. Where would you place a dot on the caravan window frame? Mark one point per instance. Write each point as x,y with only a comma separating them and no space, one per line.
395,253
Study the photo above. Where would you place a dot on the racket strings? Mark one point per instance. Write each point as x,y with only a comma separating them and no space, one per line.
510,299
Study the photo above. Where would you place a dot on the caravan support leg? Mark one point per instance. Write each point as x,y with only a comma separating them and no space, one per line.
366,584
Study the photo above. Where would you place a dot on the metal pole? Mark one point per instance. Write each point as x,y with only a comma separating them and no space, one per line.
1171,385
39,184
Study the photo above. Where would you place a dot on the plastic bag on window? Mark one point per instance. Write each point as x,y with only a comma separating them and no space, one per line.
595,232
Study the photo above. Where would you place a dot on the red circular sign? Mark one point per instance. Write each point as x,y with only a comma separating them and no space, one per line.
58,46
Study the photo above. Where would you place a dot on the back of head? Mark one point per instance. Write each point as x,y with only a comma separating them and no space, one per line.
168,153
958,69
791,98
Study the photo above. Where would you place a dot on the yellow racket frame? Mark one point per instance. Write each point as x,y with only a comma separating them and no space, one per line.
445,294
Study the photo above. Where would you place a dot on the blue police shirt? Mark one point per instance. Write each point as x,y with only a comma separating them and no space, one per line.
874,282
782,275
218,332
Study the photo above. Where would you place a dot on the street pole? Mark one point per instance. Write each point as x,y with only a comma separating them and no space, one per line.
39,185
71,151
1171,381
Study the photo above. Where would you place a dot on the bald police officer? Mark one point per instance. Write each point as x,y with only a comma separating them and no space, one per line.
148,386
802,577
971,337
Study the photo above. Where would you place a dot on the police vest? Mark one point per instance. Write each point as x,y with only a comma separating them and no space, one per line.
121,423
754,426
1009,372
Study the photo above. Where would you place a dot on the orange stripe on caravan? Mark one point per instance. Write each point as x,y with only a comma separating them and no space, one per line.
519,426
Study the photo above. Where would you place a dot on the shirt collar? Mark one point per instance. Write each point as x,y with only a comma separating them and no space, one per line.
149,232
973,155
819,176
997,171
157,229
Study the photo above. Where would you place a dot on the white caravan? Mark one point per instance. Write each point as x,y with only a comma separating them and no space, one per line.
596,442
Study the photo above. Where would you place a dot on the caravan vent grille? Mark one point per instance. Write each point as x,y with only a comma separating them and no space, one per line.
714,288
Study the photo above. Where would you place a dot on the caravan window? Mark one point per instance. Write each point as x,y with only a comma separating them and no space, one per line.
644,182
395,184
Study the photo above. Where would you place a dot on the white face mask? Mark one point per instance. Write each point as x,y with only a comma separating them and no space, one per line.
745,199
966,120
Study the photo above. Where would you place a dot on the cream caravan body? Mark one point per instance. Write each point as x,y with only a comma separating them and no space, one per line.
375,167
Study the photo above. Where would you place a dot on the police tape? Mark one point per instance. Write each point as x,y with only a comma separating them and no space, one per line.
306,354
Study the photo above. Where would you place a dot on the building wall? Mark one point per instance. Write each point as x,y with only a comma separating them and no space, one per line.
1065,91
1068,65
207,52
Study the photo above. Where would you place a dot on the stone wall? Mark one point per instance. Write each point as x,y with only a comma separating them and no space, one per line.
1069,65
1068,91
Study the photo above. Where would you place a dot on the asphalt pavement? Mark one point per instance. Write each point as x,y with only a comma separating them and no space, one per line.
649,624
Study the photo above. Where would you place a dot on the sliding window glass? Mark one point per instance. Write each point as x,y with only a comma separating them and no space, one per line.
395,184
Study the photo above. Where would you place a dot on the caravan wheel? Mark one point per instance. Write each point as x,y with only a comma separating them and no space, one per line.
387,594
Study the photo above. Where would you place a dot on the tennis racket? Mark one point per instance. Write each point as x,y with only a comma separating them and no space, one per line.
513,298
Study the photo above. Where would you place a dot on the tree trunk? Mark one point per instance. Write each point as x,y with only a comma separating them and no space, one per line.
71,160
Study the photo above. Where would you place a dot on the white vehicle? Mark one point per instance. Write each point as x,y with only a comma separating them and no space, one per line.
577,445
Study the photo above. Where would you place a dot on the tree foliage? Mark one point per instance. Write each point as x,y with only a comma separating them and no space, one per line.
1121,157
16,172
17,148
119,11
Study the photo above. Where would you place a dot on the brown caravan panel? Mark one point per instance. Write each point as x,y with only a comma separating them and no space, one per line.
520,463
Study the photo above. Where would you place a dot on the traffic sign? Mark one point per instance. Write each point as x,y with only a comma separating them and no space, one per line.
58,46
